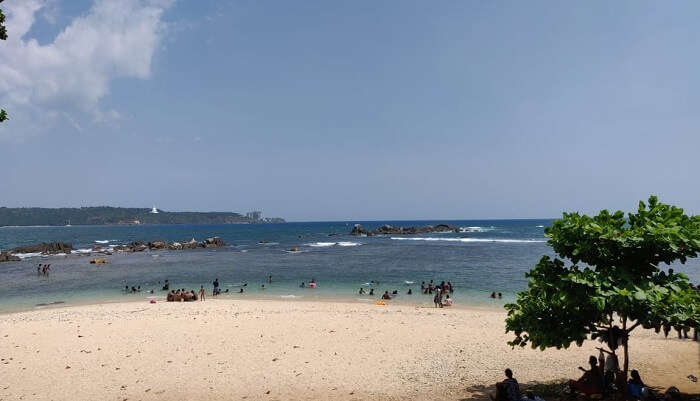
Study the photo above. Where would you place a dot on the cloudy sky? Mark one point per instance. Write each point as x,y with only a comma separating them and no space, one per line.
336,110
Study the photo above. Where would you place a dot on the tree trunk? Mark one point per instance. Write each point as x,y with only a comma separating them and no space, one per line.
625,345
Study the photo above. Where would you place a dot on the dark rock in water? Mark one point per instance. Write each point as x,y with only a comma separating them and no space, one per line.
46,248
391,230
139,248
213,242
159,245
7,257
358,230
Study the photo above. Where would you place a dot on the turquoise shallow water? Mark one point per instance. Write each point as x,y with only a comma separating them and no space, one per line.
489,255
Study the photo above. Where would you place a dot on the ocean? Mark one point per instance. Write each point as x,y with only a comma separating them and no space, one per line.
486,256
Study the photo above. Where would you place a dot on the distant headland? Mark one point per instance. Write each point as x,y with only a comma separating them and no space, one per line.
106,215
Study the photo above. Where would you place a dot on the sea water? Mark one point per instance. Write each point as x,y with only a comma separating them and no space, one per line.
485,256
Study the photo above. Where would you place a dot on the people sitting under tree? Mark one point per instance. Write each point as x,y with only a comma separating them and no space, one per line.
508,389
635,385
591,382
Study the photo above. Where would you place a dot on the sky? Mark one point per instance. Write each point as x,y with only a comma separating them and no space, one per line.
362,110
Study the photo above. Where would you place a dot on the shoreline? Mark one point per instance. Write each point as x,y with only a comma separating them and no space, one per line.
276,349
160,298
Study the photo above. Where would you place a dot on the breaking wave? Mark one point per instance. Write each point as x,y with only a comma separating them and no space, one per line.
326,244
476,229
469,239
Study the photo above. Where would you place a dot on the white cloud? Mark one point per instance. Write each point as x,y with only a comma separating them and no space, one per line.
65,79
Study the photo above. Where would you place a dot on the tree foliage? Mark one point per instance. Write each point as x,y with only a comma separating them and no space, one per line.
607,279
3,36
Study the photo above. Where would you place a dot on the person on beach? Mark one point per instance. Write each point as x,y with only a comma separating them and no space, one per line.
437,299
609,367
450,288
500,295
269,279
371,291
262,287
410,292
431,287
194,295
303,285
201,293
591,382
216,290
166,286
241,291
171,296
362,291
386,295
635,385
448,300
38,270
493,295
508,389
422,287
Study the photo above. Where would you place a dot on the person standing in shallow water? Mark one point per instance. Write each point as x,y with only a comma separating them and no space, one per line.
201,293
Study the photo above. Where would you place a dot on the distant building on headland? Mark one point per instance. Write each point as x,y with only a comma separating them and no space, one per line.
254,216
154,210
257,217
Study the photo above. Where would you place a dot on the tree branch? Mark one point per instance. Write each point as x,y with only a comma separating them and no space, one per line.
633,327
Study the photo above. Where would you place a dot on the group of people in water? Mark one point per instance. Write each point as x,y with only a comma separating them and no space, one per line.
182,295
441,292
43,270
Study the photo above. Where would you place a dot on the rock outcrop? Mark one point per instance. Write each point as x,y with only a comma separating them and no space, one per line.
8,257
45,248
160,245
391,230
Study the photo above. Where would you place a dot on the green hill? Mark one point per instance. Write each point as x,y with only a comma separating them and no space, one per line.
105,215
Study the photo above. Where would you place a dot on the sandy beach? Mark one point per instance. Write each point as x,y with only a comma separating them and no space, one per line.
289,350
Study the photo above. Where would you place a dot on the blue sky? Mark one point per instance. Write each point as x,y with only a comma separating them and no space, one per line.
322,110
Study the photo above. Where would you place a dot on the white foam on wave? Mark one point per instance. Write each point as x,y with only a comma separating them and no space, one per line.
27,255
100,241
540,226
476,229
83,250
321,244
326,244
469,239
290,296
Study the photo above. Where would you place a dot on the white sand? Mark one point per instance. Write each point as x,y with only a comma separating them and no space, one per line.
232,350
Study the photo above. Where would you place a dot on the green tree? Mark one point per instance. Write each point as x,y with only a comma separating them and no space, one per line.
609,281
3,36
